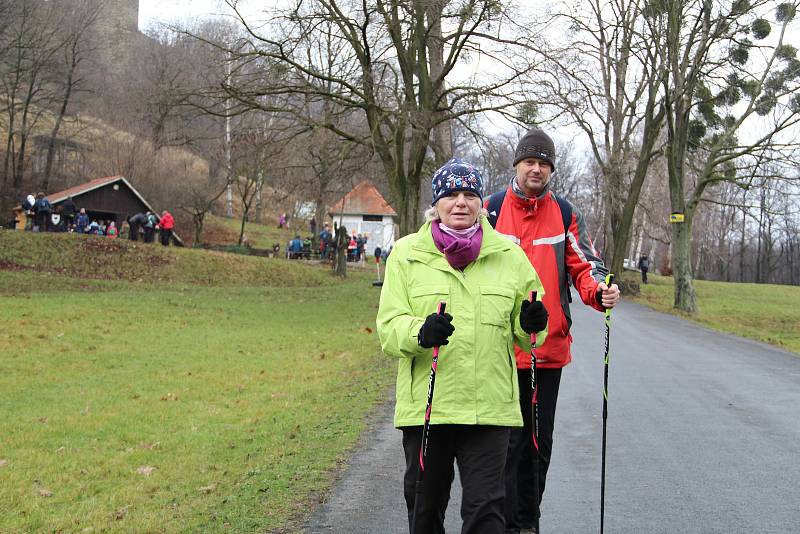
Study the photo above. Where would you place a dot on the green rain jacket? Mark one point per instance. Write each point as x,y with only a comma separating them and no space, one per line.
476,377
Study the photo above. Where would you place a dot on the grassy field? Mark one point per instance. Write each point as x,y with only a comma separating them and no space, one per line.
153,390
768,313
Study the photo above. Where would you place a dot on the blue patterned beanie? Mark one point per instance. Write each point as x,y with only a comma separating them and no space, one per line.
456,175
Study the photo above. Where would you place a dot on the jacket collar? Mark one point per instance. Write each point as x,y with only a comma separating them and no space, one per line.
524,202
424,250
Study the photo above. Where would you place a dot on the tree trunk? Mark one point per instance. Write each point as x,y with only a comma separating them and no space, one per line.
198,217
51,145
442,133
685,297
340,261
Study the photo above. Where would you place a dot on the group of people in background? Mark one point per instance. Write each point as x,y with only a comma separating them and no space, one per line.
40,216
305,248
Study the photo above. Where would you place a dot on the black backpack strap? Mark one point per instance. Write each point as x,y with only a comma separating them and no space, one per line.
566,212
494,204
566,220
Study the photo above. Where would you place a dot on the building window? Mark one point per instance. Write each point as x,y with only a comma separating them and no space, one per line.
372,218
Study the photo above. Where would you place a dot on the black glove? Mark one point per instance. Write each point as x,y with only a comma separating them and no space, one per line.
533,316
435,330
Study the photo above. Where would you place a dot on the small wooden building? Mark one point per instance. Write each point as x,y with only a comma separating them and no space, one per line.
365,211
112,198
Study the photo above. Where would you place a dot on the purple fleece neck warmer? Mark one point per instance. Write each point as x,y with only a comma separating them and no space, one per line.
460,247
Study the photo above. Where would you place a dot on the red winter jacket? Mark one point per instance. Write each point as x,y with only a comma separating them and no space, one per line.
167,222
537,226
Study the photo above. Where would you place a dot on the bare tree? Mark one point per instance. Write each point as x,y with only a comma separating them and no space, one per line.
76,28
29,42
603,75
374,57
715,91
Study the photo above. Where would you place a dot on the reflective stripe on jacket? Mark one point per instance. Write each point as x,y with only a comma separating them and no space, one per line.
476,379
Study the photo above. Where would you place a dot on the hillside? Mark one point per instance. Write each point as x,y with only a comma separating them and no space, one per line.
100,258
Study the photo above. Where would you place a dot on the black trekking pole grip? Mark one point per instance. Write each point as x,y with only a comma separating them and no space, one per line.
423,449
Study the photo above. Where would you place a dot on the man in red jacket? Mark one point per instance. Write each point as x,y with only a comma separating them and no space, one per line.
553,234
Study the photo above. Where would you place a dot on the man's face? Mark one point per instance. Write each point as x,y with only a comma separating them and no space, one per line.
533,174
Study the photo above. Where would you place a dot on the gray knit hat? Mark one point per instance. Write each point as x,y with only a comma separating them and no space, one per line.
536,144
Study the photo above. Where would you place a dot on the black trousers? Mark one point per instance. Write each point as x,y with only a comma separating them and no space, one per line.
149,232
521,506
480,452
133,231
644,276
165,237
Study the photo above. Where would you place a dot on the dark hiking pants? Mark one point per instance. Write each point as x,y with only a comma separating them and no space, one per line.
480,452
521,507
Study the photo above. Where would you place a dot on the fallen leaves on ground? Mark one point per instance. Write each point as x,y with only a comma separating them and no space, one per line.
207,489
146,470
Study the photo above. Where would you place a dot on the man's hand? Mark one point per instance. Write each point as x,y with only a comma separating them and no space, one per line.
607,297
532,316
435,330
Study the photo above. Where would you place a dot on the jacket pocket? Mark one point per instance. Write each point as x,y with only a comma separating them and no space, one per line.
497,303
424,300
497,363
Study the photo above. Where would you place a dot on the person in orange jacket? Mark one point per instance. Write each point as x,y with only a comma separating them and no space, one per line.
552,232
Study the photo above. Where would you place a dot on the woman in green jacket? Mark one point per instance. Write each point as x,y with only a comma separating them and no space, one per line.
485,279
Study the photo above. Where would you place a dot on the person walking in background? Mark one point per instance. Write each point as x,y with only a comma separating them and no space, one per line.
82,222
69,211
165,227
644,266
150,227
455,257
28,206
295,248
352,247
282,220
42,210
135,223
552,232
324,238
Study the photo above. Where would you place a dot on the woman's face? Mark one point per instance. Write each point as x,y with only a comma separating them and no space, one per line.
459,210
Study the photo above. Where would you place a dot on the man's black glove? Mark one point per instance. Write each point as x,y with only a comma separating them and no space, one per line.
533,316
435,330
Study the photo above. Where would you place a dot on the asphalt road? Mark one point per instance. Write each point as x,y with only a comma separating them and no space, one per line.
703,437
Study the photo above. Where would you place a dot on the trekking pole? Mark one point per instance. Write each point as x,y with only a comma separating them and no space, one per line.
423,449
535,421
609,280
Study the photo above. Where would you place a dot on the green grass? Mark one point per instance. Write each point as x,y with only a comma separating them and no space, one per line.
243,399
763,312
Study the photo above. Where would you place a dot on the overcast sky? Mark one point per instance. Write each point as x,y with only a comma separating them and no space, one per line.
155,11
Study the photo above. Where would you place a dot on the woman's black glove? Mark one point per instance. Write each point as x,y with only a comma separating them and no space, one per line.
435,330
533,316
